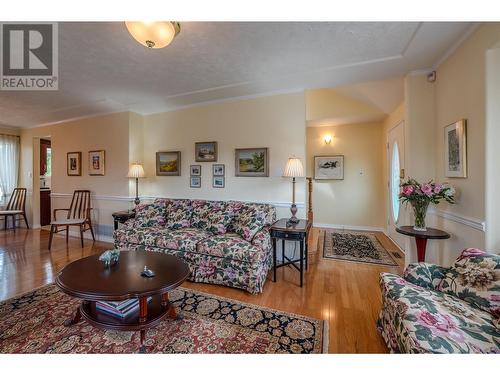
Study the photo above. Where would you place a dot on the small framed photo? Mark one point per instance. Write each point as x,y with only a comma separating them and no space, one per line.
329,167
195,182
251,162
218,170
218,181
96,163
168,163
205,151
455,148
195,170
74,163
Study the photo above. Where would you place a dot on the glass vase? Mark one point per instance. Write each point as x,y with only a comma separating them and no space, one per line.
420,211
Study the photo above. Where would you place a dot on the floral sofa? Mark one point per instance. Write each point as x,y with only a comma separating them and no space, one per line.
432,309
225,243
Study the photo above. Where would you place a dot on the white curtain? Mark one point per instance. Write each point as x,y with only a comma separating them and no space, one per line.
9,164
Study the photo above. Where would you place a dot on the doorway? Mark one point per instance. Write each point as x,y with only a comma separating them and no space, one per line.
396,168
45,181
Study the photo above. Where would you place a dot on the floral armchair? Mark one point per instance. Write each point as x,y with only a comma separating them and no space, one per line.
433,309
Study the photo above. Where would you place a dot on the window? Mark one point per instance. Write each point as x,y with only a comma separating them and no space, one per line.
48,173
9,163
395,175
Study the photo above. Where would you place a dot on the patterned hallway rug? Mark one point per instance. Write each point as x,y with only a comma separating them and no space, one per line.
33,323
355,246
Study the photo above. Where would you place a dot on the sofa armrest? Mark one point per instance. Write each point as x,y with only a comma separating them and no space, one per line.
426,275
262,239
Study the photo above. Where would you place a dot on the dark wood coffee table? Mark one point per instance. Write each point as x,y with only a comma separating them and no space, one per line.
89,280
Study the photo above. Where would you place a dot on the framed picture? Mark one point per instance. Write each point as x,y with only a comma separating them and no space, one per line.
195,170
252,162
455,148
168,163
205,151
218,181
96,163
329,167
195,182
218,170
74,163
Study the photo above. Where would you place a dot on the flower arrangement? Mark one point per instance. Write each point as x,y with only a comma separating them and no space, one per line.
421,195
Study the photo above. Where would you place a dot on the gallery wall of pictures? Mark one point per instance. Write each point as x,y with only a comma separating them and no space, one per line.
249,162
96,163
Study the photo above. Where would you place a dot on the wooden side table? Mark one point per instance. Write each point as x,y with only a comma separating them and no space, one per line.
297,232
421,238
122,216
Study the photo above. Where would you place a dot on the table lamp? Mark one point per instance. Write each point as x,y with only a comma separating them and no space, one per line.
136,171
293,169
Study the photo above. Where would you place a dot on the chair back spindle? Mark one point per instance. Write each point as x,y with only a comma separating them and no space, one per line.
80,205
17,201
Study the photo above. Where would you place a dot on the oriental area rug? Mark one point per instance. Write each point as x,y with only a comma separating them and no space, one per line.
34,323
355,246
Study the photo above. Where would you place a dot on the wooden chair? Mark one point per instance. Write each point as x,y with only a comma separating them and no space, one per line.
78,215
16,207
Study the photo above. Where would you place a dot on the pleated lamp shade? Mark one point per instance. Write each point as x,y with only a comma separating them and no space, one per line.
136,171
293,168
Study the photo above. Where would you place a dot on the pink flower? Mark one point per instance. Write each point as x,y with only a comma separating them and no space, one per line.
427,189
441,325
407,190
438,188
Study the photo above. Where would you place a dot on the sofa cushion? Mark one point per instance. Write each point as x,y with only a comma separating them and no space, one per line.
178,213
184,239
420,320
248,222
210,216
237,207
475,278
231,246
138,235
149,215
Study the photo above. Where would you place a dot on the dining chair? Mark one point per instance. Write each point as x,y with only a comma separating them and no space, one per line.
78,215
15,207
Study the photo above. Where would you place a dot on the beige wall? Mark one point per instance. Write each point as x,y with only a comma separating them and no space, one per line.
357,201
276,122
109,133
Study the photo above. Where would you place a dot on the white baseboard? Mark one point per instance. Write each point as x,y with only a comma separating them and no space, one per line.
349,227
87,236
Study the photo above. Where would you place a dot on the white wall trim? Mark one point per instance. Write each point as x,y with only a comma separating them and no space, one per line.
348,227
461,219
152,197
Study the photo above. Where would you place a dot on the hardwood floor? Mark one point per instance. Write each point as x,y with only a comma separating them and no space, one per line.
346,294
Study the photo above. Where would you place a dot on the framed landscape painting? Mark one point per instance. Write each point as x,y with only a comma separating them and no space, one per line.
252,162
96,163
205,151
455,148
329,167
74,163
168,163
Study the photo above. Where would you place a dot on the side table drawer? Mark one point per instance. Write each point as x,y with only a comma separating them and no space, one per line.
288,235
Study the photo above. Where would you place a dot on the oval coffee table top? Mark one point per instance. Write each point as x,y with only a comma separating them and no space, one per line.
89,279
430,233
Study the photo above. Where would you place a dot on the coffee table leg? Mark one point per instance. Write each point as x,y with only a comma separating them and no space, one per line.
165,302
75,319
143,315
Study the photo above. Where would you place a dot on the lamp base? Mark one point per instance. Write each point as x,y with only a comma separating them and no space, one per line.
293,220
137,201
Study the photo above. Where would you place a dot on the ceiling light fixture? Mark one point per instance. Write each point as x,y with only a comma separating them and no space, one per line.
153,34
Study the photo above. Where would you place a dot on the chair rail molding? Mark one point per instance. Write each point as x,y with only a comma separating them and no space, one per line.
124,198
477,224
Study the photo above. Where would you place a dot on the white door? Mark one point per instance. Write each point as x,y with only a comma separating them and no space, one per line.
396,166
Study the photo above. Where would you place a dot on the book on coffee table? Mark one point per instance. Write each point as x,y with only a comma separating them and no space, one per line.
119,309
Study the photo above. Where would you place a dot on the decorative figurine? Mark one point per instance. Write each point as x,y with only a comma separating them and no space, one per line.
110,257
147,272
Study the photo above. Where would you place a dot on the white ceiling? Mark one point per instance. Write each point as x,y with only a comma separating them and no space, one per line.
102,69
